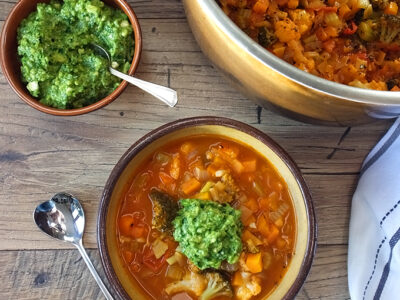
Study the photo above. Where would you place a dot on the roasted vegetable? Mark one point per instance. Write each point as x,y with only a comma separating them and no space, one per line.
225,190
266,37
165,209
385,29
250,285
389,29
217,286
191,283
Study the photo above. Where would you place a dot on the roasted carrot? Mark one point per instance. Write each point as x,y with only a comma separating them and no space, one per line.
261,6
391,9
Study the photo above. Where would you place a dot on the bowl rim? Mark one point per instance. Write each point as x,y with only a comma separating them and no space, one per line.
324,86
163,130
33,102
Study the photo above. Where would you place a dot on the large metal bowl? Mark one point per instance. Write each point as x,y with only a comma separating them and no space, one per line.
275,84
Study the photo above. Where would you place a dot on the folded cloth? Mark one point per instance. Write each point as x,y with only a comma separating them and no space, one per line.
374,246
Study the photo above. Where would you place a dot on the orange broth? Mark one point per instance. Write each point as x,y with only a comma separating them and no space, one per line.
267,210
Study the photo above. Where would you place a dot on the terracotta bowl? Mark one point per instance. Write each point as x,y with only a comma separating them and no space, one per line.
121,281
10,63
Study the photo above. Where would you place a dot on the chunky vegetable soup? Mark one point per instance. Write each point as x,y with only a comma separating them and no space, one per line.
206,218
355,42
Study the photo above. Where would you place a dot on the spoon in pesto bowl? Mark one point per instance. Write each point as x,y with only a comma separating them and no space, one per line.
166,95
62,218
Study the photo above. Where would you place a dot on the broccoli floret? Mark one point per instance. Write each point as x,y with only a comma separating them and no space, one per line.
165,209
389,29
382,4
217,286
385,29
266,37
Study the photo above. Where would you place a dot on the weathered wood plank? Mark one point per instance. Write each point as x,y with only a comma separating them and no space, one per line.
145,9
62,274
42,154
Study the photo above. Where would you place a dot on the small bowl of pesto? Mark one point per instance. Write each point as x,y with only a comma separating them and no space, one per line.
206,208
48,58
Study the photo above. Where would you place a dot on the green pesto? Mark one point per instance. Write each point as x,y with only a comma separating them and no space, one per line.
58,64
208,232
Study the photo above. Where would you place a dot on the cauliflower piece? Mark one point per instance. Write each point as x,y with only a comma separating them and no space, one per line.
225,190
191,283
286,30
303,19
251,286
217,286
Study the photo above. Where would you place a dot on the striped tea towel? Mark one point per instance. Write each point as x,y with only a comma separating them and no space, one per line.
374,247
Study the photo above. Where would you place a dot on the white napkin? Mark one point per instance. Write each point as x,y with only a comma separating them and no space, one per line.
374,241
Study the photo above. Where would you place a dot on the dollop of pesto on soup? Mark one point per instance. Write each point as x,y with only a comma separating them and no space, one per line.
58,63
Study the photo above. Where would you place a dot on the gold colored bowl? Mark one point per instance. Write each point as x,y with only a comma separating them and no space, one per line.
275,84
119,277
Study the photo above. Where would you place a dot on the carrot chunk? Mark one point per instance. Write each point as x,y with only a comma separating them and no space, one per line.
237,279
261,6
125,225
273,235
190,186
262,226
254,262
249,165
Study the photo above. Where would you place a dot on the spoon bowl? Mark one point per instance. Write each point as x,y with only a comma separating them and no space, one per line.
62,218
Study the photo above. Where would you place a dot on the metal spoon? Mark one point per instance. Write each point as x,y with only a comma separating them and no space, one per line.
167,95
62,218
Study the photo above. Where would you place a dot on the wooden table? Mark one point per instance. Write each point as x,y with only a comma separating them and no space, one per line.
42,154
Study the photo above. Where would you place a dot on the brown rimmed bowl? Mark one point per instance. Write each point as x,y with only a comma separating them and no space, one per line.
119,277
10,63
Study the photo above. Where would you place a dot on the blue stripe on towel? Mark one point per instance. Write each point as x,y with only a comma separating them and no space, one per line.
385,274
381,151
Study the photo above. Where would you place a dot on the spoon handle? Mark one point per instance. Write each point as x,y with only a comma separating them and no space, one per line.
96,276
167,95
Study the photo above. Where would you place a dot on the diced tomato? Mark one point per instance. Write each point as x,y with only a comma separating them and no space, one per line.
350,29
151,261
128,256
251,204
138,231
329,45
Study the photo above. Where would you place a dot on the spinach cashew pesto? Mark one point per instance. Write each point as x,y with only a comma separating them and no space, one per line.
59,66
208,232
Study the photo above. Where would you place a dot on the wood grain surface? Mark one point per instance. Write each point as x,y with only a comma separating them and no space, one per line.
42,154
